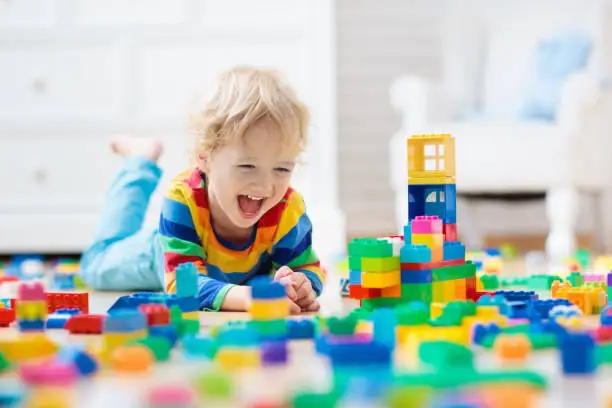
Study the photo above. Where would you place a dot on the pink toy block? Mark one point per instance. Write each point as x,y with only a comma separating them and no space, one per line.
50,373
33,291
171,396
594,278
427,224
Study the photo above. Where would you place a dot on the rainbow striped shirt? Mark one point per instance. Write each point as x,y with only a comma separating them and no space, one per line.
283,236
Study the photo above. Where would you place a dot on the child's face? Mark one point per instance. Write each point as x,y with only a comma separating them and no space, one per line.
248,177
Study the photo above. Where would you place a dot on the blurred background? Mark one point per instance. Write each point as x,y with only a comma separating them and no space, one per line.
522,85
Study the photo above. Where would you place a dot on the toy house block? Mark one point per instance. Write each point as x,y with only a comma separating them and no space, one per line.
416,276
450,232
431,240
431,156
379,280
425,224
370,248
433,200
453,250
186,280
391,263
411,253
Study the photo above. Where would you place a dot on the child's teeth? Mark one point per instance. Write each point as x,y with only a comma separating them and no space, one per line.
255,198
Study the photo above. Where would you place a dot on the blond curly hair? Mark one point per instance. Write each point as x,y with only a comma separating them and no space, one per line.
242,96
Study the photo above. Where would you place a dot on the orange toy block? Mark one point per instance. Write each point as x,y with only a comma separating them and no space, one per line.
510,347
380,280
460,289
392,291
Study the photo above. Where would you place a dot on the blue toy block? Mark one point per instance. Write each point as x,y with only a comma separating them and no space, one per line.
492,251
385,322
408,234
85,364
198,347
189,304
168,332
124,321
410,253
577,353
517,295
12,392
357,353
264,288
482,331
58,319
416,276
355,277
136,299
63,281
186,280
454,250
515,310
300,329
433,199
31,325
543,306
238,337
605,317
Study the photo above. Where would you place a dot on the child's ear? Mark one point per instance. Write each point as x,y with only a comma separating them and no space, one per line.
203,162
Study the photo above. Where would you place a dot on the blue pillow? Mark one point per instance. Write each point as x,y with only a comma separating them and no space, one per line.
556,58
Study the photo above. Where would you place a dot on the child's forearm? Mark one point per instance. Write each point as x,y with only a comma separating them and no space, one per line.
237,299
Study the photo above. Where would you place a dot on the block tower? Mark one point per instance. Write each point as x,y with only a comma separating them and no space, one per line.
427,263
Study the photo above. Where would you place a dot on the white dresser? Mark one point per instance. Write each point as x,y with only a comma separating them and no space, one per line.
73,72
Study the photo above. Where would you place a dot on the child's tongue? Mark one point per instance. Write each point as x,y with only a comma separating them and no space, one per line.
248,206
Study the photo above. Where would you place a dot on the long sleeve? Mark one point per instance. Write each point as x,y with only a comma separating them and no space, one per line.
181,243
294,246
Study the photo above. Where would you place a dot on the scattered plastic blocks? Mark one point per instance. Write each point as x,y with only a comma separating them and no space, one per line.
300,329
134,300
85,324
83,362
60,317
520,295
543,306
577,353
168,332
357,353
132,359
31,307
125,321
157,314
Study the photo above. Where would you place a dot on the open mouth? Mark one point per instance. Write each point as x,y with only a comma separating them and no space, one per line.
250,205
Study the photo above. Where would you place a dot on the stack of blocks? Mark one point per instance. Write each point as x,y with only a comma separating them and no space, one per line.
186,291
269,310
428,264
31,308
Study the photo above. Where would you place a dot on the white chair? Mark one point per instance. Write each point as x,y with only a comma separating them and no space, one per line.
488,56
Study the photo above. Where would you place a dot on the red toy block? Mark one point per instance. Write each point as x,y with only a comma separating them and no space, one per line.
68,300
602,334
450,232
8,279
470,287
157,314
423,266
85,324
359,292
477,295
7,316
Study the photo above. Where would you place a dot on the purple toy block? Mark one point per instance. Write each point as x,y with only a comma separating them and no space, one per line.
609,279
273,353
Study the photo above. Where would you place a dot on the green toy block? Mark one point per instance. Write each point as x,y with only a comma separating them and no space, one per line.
342,325
376,303
583,257
443,355
391,263
408,397
462,377
214,385
270,327
539,341
159,346
370,248
604,353
454,272
412,314
422,292
542,282
576,279
513,281
489,282
313,399
354,263
4,363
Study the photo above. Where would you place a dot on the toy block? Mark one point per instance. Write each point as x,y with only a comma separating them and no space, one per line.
557,287
156,314
437,254
581,299
436,309
449,290
542,282
370,248
352,353
111,341
380,279
31,347
354,263
467,270
415,276
354,277
59,319
68,300
411,253
433,199
269,310
460,289
517,295
264,288
438,292
85,324
387,264
593,278
7,316
407,234
186,304
489,282
414,266
397,242
168,332
31,310
31,325
578,353
125,321
393,291
186,280
191,316
431,240
33,291
431,155
453,250
300,329
424,224
274,353
231,358
359,292
450,232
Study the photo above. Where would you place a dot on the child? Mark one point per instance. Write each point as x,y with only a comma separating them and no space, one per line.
234,213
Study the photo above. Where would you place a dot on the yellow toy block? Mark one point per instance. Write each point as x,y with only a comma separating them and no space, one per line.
437,292
111,341
486,312
269,310
27,347
433,180
436,309
230,358
387,264
191,315
449,290
392,292
431,156
379,280
404,333
31,310
455,334
431,240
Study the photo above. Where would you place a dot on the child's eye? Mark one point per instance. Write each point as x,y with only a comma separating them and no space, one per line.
246,166
282,170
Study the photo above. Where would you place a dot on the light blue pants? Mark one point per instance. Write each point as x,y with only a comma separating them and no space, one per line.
123,256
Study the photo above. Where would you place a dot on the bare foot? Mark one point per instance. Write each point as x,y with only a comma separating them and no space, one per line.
137,146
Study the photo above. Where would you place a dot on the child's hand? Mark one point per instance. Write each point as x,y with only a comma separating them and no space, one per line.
300,291
283,275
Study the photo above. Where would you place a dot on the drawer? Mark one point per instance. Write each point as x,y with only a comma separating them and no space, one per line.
59,81
54,175
27,13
